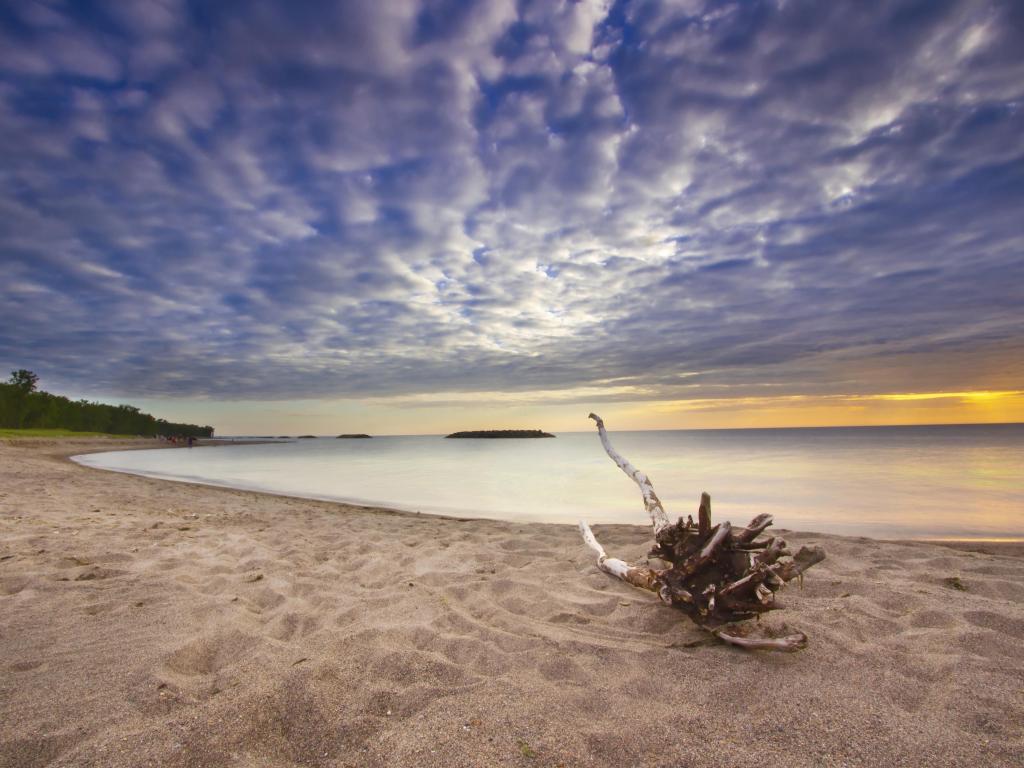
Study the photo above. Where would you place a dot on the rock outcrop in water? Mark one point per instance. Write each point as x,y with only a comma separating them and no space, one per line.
502,433
353,437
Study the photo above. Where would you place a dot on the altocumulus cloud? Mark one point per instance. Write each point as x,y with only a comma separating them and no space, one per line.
270,199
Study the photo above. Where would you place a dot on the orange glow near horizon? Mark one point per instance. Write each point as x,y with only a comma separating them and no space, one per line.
981,395
567,412
895,408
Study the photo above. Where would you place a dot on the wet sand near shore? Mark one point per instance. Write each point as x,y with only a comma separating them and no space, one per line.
151,623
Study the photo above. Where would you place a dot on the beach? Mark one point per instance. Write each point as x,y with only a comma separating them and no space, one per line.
152,623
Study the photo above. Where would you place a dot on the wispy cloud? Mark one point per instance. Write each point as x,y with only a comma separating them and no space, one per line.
415,199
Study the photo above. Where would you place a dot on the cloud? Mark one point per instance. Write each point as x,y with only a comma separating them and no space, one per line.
422,199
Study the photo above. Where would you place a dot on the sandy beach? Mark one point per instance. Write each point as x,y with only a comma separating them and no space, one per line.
150,623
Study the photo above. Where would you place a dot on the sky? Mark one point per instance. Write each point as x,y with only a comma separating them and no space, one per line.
415,217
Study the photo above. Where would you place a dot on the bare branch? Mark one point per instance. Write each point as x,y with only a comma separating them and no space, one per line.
789,643
704,515
591,541
637,575
776,548
754,529
651,502
804,559
699,560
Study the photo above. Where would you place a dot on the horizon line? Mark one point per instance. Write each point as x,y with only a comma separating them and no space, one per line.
678,429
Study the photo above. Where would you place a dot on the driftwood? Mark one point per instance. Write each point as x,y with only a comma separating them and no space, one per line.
718,575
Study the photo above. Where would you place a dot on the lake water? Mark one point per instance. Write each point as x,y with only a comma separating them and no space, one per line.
900,482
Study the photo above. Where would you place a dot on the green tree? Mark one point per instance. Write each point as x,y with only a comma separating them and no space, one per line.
22,406
23,380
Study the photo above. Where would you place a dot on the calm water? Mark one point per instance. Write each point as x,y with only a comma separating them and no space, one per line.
951,481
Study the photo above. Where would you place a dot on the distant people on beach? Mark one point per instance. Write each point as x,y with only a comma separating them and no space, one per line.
178,439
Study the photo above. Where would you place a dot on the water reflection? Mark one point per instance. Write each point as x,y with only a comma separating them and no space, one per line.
886,482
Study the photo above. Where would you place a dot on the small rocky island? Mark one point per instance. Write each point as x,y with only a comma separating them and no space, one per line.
502,433
353,437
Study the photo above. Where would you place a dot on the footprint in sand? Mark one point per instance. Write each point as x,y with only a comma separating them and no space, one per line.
209,654
36,752
561,668
996,622
294,625
12,586
932,620
266,598
25,666
568,618
98,573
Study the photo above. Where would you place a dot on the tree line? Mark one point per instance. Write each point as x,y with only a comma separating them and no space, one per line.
22,406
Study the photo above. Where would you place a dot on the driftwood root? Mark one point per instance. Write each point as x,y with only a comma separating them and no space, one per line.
718,575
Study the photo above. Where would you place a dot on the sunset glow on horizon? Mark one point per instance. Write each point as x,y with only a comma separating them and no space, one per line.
447,412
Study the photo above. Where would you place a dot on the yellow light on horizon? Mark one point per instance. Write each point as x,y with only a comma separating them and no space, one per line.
981,395
890,408
625,406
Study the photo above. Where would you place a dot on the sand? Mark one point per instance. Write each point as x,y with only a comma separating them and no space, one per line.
150,623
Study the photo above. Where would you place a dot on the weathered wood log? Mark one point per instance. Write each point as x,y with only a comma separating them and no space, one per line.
638,576
651,502
719,576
